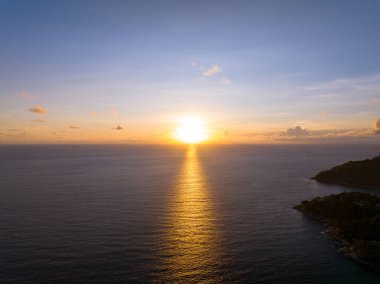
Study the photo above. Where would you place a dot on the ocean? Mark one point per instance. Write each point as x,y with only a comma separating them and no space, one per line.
169,214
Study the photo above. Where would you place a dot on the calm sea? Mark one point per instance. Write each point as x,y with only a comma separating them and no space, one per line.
169,214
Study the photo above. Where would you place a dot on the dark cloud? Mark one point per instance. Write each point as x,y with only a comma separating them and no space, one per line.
297,131
377,126
119,128
74,126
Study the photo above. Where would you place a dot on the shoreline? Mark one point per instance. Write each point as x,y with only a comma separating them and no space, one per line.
343,247
350,185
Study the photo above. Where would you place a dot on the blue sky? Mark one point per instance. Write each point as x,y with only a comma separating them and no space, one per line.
141,64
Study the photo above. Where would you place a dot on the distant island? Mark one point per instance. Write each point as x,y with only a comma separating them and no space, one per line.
353,223
358,173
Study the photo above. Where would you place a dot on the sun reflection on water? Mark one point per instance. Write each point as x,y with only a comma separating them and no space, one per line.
190,251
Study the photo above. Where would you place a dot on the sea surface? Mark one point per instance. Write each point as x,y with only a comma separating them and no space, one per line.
169,214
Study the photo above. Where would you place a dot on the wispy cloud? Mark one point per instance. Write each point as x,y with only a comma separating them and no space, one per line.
38,109
357,83
299,134
26,95
225,81
359,91
73,126
119,127
302,134
211,71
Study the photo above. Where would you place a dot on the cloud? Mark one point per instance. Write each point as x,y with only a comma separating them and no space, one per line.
370,82
377,126
339,133
299,134
119,128
357,91
214,69
26,95
38,109
302,135
297,131
74,126
225,81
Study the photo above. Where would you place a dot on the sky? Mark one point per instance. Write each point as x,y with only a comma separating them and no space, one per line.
127,71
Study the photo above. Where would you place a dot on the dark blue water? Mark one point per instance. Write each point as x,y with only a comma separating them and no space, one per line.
127,214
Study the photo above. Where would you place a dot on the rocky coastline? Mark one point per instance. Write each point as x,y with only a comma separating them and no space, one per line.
336,211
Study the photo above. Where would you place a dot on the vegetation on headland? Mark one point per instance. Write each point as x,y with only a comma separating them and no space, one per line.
353,222
359,173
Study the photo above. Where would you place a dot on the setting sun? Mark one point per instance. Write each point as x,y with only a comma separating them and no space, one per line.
191,130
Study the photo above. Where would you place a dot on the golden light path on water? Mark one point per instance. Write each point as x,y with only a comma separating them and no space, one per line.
190,249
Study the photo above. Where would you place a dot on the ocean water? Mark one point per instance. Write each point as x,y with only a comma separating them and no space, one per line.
169,214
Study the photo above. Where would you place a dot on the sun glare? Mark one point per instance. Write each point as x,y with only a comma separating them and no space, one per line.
191,130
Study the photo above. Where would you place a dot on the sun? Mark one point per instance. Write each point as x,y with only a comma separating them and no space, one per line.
191,130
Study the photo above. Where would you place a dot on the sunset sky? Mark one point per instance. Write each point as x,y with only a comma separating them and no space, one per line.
127,71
